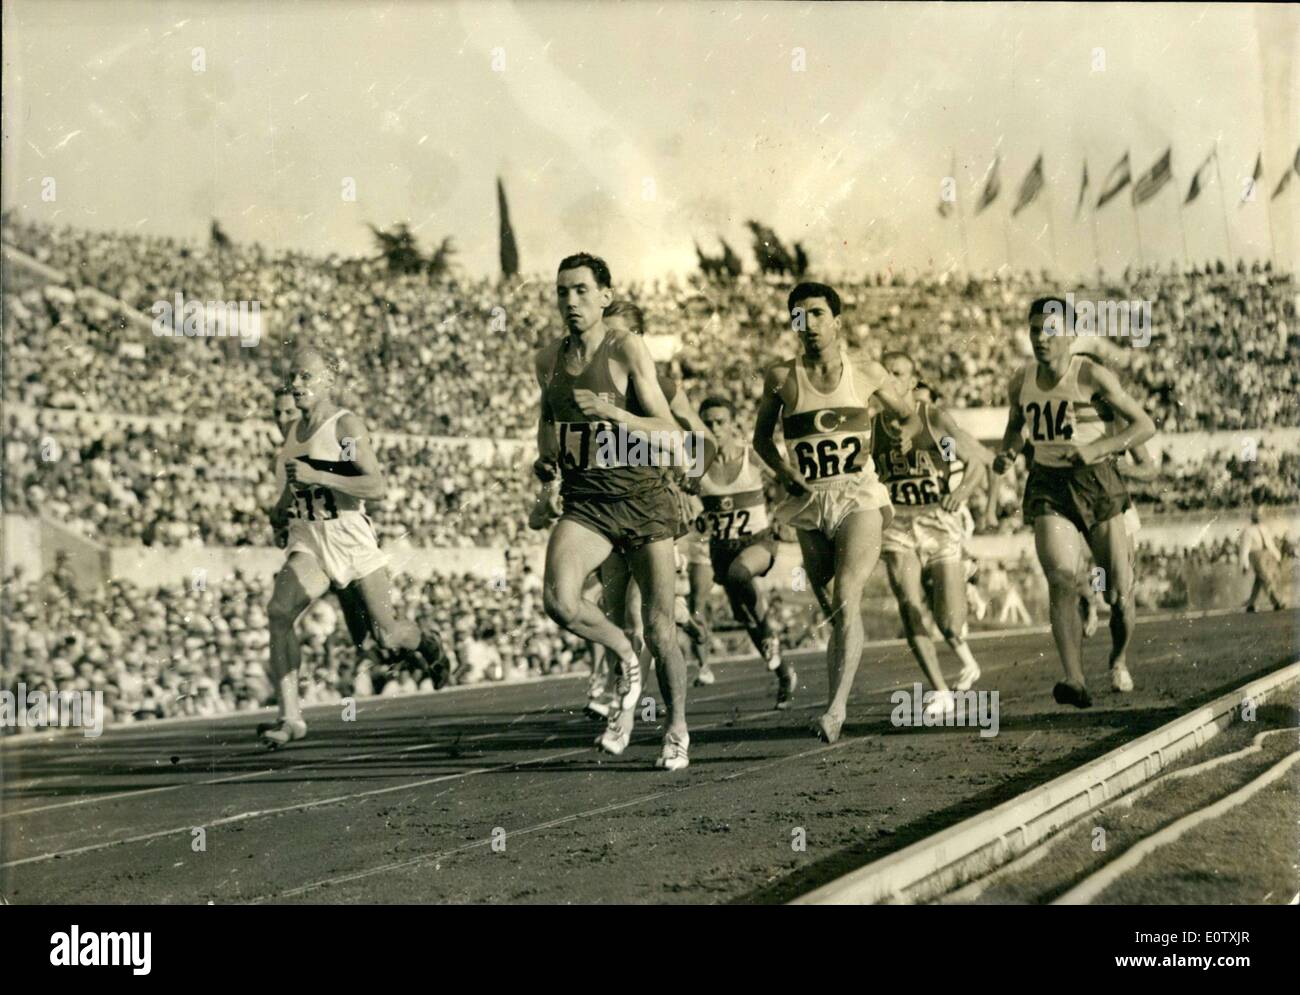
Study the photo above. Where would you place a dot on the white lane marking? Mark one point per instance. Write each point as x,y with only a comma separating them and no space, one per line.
553,823
301,806
396,751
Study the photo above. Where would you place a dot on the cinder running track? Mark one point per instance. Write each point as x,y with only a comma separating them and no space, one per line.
496,794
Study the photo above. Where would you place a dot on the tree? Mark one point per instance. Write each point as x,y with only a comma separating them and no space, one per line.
398,248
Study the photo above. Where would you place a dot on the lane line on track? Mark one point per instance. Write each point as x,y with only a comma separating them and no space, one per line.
318,764
404,786
553,823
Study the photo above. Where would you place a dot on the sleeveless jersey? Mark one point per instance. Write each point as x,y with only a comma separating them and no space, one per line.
1061,419
919,478
828,435
321,451
735,510
593,453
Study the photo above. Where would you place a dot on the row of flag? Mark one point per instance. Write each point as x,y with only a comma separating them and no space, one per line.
1120,176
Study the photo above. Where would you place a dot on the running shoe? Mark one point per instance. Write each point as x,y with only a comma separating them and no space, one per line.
1120,679
827,727
282,733
1070,694
435,658
622,714
787,681
705,677
967,678
673,756
772,652
940,704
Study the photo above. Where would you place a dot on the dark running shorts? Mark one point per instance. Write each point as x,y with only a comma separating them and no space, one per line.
1086,495
628,522
722,553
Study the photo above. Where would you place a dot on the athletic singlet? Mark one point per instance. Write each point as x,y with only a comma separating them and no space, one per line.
735,510
828,435
917,478
1061,419
593,453
322,450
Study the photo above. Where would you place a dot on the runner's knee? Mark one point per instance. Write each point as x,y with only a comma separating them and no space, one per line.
561,608
283,611
1062,579
660,631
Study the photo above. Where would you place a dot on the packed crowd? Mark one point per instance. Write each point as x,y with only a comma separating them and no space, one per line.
187,650
454,357
182,649
168,484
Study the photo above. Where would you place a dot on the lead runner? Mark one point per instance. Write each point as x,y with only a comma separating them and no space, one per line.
590,381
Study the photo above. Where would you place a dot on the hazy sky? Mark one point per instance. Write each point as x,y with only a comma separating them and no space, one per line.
632,129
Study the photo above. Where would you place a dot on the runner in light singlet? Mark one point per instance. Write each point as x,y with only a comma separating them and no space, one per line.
836,504
327,470
741,545
931,466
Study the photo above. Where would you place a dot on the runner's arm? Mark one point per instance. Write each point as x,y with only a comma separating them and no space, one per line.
368,483
765,421
548,443
1139,429
689,418
642,378
1144,466
1013,439
965,447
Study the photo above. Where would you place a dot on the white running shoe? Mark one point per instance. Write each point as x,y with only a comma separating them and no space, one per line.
772,652
967,678
674,756
282,733
940,705
618,731
622,713
1120,679
705,677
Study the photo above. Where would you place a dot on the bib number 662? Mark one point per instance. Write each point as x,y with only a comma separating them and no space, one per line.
829,458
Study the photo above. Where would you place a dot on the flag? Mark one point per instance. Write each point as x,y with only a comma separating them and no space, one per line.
1083,189
509,251
1194,190
1282,184
992,186
1255,177
1116,180
1030,186
1286,175
1149,184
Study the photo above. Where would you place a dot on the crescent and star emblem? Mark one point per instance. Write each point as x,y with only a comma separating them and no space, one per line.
827,420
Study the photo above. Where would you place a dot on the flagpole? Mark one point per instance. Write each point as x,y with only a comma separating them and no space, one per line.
1182,225
1272,242
961,218
1137,226
1051,232
1006,238
1096,250
1223,204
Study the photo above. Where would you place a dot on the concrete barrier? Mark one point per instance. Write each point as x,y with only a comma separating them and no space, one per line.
980,844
